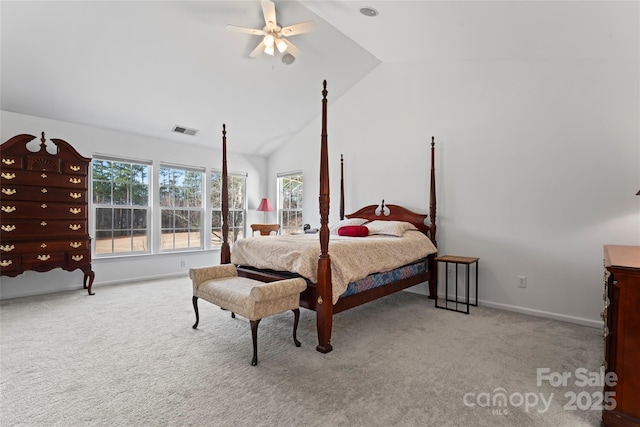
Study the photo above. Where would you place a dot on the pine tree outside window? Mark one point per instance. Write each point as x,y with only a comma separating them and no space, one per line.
121,208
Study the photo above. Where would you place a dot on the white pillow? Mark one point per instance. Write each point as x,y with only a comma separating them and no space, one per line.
390,228
333,228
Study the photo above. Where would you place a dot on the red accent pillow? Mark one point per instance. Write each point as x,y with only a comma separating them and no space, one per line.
353,231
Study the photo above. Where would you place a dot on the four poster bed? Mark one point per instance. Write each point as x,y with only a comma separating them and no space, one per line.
398,251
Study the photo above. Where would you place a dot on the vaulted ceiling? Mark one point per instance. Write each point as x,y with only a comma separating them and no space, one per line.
143,67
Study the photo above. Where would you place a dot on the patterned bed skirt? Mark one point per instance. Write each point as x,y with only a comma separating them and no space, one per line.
372,281
381,279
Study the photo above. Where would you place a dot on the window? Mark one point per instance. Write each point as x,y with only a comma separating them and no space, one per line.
181,209
237,202
290,188
121,206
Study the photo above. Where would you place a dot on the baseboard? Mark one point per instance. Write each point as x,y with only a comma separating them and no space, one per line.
598,324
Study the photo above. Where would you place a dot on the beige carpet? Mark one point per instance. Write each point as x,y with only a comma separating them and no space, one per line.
129,357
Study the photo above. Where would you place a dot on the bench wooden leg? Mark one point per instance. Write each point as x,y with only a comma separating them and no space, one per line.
195,308
233,315
254,337
296,318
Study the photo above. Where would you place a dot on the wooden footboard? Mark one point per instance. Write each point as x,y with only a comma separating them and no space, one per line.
308,298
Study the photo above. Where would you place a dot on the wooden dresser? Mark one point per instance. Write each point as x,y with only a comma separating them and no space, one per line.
44,217
622,345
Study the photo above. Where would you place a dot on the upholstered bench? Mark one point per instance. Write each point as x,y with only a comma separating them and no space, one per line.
220,285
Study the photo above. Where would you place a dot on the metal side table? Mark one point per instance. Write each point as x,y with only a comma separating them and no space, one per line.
457,260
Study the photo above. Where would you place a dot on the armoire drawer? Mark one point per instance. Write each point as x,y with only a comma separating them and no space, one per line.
45,194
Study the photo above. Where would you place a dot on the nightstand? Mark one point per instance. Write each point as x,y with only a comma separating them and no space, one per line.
458,260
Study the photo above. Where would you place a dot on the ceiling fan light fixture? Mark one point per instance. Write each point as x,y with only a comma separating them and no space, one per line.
281,45
268,40
274,35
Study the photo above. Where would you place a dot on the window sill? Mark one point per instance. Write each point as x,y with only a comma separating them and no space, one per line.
114,257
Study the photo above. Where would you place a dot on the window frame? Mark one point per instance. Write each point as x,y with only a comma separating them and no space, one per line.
97,206
285,227
188,217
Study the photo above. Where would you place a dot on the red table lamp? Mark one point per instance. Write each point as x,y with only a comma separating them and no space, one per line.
265,206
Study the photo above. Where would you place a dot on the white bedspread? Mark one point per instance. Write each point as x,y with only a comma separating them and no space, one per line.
352,258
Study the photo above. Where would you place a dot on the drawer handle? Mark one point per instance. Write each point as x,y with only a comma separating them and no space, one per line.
75,180
75,245
43,176
75,227
44,245
75,211
8,209
75,195
74,168
43,206
43,223
8,161
8,175
44,257
8,228
44,190
77,257
7,248
5,263
9,191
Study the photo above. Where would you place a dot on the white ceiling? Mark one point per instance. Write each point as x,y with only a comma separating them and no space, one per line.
144,66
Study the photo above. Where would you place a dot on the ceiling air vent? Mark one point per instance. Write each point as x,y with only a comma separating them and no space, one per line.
185,130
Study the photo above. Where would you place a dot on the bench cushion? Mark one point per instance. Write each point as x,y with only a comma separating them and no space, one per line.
250,298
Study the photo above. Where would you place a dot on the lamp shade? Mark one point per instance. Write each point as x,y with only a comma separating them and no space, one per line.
264,206
281,45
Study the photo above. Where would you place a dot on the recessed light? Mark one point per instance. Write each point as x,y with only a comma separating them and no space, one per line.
369,11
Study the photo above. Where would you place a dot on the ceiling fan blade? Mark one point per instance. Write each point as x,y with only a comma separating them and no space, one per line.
258,50
245,30
269,12
303,27
292,49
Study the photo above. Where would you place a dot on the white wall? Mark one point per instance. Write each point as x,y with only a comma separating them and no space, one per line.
89,141
538,163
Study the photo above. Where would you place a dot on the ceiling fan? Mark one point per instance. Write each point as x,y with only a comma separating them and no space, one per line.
273,35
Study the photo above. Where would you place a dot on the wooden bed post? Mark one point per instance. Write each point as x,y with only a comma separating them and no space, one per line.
324,301
341,187
432,205
433,267
225,253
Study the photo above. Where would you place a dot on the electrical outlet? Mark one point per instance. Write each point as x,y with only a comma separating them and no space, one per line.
522,281
182,263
